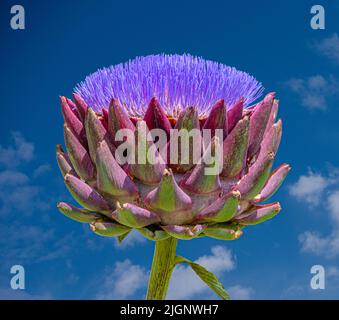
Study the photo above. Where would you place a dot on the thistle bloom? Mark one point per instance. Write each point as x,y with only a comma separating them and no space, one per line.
167,201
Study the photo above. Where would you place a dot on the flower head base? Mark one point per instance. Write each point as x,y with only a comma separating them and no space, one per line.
178,81
170,199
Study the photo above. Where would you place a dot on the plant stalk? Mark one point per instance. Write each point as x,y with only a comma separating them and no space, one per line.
162,267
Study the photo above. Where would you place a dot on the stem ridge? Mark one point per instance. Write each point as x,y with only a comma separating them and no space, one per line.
162,268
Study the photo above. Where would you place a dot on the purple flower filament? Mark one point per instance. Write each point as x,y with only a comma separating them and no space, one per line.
178,81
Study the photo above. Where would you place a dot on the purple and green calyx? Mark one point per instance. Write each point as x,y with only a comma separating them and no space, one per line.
165,201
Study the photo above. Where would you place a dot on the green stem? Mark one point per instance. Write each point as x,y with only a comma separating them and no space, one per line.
162,267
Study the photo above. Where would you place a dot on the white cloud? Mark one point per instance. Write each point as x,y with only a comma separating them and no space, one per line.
221,260
333,205
10,294
123,281
23,198
328,245
15,154
58,247
17,192
314,91
320,191
332,272
295,291
240,293
12,178
24,243
310,187
126,279
313,242
185,284
41,170
21,240
329,47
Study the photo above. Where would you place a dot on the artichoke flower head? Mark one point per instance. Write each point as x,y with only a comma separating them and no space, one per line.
170,145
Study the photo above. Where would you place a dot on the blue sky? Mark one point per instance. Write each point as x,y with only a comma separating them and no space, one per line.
64,41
